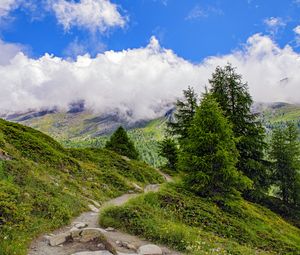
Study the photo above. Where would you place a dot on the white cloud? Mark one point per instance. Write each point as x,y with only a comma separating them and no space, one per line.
94,15
6,6
141,81
8,51
203,12
297,30
297,37
274,24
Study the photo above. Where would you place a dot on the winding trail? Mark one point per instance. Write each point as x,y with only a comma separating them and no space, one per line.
41,246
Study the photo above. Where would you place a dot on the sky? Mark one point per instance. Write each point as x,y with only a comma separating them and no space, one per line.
136,56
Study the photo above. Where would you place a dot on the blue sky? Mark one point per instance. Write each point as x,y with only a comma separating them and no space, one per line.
136,56
193,29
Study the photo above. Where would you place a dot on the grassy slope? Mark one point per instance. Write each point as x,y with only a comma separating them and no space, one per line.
196,225
76,130
43,185
145,139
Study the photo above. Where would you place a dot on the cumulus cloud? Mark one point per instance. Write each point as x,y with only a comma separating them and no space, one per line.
8,51
6,6
141,82
274,24
94,15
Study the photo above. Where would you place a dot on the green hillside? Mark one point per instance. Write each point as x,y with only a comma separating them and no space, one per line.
87,129
145,138
43,185
197,225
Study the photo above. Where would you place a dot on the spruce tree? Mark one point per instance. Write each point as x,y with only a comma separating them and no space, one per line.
120,143
185,111
168,149
285,153
209,154
233,97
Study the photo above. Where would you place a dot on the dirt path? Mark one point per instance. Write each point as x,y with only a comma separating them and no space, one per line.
41,247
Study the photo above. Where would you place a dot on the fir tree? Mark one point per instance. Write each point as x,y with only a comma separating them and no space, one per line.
233,97
185,111
285,153
168,149
120,143
209,154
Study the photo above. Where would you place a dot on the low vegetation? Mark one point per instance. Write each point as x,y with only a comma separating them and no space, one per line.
197,225
43,185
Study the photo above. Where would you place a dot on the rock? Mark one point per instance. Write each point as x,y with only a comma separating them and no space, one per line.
150,249
80,225
131,246
93,253
93,208
121,253
137,187
125,158
110,229
89,234
101,246
59,239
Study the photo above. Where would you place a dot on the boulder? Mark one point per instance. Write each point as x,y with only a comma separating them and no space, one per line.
89,234
59,239
150,249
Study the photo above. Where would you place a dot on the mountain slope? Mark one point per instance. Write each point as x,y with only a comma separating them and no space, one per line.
197,225
80,128
43,185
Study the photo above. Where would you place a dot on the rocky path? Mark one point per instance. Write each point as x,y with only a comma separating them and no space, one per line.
84,236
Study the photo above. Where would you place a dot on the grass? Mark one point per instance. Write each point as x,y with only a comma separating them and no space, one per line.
196,225
43,185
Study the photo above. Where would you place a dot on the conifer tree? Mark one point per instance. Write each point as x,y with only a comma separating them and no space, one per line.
120,143
185,111
234,99
285,153
168,149
209,154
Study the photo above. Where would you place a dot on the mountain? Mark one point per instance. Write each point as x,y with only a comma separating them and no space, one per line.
43,185
78,127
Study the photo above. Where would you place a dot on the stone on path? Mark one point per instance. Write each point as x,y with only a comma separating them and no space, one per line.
93,208
59,239
93,253
80,225
150,249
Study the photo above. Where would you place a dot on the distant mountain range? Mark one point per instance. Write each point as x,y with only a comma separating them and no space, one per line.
80,127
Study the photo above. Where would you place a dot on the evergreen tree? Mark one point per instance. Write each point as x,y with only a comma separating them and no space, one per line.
120,143
285,153
185,111
168,149
233,97
209,154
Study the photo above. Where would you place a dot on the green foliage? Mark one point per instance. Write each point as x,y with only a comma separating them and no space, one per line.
168,149
43,185
233,97
185,111
285,152
146,140
196,225
208,154
120,143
